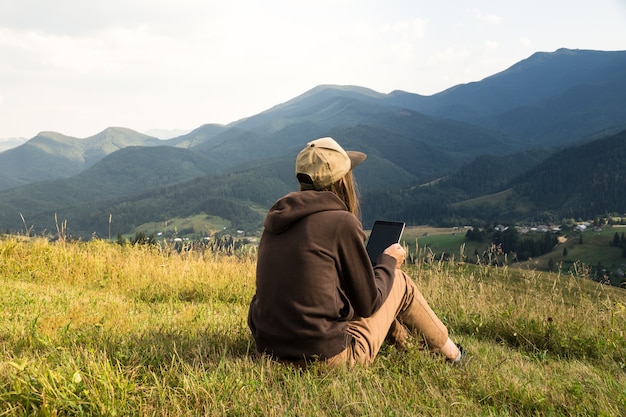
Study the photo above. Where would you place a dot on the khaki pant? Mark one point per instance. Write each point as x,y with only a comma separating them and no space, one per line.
406,305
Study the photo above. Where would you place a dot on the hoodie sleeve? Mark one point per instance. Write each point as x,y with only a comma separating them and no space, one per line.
367,287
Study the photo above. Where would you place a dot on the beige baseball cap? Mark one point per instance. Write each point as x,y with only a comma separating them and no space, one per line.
323,162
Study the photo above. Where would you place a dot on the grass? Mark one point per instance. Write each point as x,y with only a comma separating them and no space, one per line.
593,250
92,328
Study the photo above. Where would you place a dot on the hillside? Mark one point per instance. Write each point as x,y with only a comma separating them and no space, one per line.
47,156
549,99
335,109
51,155
94,328
121,175
490,173
582,181
239,198
579,182
532,186
528,187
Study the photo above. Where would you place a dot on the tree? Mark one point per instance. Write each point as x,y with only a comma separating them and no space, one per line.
475,234
551,264
600,272
508,239
615,242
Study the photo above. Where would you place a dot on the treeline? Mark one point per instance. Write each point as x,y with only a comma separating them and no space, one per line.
509,241
577,182
524,247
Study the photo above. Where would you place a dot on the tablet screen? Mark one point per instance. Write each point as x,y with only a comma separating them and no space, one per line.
383,234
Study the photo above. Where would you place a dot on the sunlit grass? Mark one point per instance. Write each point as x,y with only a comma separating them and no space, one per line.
101,329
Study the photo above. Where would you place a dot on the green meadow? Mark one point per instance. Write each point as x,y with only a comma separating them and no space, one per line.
101,329
590,249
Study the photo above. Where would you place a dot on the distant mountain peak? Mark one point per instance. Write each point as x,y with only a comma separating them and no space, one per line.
115,130
330,89
53,135
348,88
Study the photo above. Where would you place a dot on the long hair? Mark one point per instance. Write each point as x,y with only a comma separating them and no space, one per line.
347,190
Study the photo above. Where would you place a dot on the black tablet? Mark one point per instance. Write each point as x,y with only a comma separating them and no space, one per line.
384,233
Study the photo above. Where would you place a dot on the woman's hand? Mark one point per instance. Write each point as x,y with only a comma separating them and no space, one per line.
397,251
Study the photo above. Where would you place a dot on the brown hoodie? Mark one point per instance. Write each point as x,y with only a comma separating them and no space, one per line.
313,276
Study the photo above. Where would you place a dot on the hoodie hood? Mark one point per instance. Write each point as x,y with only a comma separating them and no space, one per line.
299,204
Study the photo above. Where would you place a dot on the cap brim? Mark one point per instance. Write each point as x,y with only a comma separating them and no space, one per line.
355,158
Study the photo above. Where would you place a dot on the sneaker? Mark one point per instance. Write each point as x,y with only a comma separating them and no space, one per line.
462,359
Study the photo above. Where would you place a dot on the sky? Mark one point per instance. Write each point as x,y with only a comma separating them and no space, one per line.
79,66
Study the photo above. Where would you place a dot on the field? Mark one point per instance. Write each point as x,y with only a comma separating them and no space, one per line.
99,329
439,240
199,224
593,250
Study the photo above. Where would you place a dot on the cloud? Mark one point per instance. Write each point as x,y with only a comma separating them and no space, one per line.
490,44
80,17
487,18
525,41
80,66
406,29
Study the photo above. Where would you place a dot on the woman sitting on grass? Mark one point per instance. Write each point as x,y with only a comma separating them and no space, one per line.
318,297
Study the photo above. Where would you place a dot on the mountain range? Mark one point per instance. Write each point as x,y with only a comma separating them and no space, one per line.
491,150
